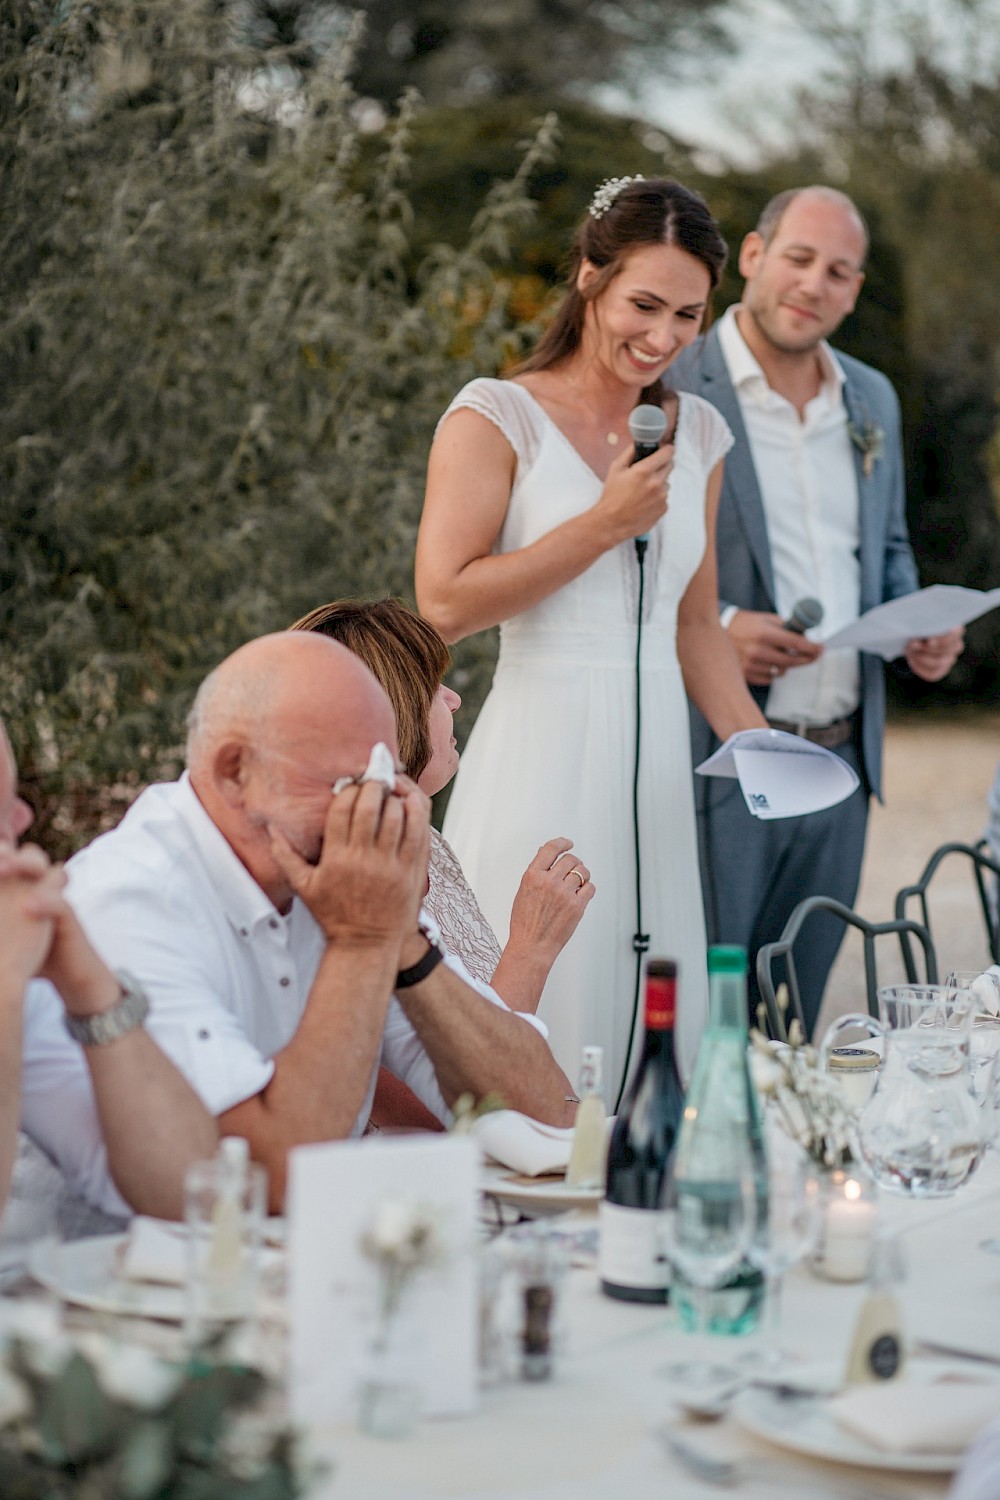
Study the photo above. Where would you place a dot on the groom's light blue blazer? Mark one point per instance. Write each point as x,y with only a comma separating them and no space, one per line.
744,557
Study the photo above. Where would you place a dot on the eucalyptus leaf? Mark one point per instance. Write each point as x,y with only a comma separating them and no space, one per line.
76,1421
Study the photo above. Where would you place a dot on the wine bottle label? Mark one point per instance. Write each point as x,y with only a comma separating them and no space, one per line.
631,1253
661,1002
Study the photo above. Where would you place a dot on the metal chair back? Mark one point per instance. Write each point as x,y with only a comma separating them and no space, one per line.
981,862
782,950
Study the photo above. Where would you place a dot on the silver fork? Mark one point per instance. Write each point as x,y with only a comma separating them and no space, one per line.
727,1473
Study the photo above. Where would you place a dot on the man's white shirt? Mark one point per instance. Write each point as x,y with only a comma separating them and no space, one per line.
808,484
165,898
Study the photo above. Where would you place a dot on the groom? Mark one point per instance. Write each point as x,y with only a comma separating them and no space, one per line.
812,506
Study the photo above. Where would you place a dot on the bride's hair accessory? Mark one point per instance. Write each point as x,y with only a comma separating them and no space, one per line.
608,192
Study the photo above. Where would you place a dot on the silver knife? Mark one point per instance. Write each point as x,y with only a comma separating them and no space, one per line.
930,1346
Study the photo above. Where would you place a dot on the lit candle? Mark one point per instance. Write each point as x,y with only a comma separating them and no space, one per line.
848,1223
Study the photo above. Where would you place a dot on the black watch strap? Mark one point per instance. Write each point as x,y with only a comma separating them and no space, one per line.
407,978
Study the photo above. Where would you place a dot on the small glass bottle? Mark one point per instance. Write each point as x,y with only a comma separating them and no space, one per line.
877,1349
587,1156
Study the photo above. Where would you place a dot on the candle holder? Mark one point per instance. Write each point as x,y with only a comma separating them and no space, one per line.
848,1209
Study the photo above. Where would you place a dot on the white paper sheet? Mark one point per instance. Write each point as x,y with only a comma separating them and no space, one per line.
781,775
334,1193
885,630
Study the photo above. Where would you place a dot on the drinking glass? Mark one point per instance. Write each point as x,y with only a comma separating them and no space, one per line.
706,1229
780,1240
984,1040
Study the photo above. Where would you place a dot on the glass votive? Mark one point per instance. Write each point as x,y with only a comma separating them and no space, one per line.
848,1209
540,1261
224,1207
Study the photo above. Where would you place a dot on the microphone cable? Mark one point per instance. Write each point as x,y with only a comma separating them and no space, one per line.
640,939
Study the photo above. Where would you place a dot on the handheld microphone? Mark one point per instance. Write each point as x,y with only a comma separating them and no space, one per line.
647,426
805,614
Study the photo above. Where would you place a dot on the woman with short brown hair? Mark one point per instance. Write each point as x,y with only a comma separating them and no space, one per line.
410,658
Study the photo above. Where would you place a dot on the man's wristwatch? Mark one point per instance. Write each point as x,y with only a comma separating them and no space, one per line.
407,978
108,1025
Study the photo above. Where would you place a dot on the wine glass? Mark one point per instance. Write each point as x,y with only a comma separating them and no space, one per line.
706,1229
780,1239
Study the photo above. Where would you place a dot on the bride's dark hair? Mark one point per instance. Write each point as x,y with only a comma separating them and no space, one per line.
653,211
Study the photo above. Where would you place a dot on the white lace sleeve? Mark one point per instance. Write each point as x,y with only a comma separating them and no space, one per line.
508,407
712,436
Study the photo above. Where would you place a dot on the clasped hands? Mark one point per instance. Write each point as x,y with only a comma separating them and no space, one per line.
41,935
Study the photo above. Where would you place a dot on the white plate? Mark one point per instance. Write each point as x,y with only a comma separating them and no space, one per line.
85,1272
808,1426
546,1196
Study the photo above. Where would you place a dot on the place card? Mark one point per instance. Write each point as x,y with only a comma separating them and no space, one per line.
336,1191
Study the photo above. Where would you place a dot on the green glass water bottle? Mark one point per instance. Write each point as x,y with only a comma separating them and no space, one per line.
722,1120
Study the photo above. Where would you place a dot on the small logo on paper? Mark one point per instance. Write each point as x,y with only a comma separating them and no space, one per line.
759,800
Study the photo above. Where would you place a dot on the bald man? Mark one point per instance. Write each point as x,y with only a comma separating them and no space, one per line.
272,922
812,506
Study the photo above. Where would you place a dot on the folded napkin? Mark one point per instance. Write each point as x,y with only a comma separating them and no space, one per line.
902,1416
979,1476
156,1250
523,1144
986,990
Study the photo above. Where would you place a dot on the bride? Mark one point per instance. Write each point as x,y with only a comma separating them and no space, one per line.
532,509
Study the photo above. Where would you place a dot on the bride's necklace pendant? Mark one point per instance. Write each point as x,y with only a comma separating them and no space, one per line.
613,439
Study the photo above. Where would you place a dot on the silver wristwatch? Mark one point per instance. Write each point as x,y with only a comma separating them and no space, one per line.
108,1025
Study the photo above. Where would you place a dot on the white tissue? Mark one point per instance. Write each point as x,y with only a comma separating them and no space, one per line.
381,767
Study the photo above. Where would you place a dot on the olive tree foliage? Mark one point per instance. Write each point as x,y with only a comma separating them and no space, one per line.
463,51
220,377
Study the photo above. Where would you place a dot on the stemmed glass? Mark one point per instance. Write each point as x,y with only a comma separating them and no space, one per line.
780,1240
707,1227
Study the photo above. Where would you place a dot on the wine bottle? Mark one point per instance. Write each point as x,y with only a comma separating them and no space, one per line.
632,1263
721,1129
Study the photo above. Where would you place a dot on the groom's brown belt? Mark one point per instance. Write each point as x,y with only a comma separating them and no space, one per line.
837,732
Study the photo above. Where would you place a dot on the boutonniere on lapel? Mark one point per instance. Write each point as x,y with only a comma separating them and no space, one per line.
869,439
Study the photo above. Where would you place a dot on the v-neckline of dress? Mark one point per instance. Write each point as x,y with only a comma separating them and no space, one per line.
681,403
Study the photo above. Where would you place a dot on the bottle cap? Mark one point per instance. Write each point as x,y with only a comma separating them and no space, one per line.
852,1060
592,1068
727,958
661,968
234,1150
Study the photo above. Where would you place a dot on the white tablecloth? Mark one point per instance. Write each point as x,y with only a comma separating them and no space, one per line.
588,1434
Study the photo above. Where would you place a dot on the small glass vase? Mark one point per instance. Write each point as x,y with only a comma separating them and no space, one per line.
848,1210
391,1393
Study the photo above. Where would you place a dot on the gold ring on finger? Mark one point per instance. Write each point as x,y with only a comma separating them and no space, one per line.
581,877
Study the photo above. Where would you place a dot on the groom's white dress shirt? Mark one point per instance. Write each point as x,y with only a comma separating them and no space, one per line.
809,491
164,897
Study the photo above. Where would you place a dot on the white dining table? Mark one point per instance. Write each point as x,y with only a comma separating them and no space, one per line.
591,1432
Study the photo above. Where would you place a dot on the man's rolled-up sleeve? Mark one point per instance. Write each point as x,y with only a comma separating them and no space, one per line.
402,1050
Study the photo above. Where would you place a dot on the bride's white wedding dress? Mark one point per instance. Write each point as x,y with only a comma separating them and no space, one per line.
552,751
